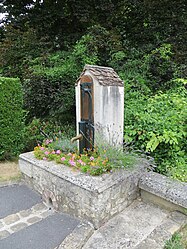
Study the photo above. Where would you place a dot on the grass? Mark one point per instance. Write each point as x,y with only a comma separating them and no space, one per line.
9,171
178,240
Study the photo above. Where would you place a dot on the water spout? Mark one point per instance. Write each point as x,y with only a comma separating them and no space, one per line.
78,137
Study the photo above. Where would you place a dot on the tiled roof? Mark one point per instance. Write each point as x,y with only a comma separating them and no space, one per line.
106,76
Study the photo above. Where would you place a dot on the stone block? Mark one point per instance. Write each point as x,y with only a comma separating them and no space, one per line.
4,234
168,189
11,219
25,213
18,226
1,225
33,220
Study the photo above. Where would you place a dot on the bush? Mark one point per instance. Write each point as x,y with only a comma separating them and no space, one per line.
157,124
11,118
39,130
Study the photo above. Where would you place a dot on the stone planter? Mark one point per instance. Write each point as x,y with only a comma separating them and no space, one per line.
94,198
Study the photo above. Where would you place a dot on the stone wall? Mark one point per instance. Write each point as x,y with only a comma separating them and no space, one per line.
94,198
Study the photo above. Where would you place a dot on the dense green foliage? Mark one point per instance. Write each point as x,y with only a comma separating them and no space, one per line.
156,109
11,118
57,74
144,41
39,130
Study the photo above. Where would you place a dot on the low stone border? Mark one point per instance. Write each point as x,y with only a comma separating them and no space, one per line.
15,222
164,191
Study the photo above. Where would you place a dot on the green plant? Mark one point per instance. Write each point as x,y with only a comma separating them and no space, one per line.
178,240
104,158
62,143
12,118
174,242
115,153
157,124
39,130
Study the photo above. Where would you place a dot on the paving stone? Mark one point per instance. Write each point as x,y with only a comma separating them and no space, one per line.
46,214
18,227
170,226
159,235
11,219
1,225
178,217
25,213
4,234
34,220
148,244
39,207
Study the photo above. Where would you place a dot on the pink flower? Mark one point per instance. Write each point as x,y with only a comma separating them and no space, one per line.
81,162
48,141
91,158
53,152
63,159
69,154
46,152
42,148
44,158
72,163
58,152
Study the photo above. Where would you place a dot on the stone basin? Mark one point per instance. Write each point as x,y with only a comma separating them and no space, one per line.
93,198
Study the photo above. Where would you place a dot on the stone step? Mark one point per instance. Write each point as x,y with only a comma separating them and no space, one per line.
157,238
140,226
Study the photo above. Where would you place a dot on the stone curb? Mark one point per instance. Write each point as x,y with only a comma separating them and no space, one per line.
78,237
166,188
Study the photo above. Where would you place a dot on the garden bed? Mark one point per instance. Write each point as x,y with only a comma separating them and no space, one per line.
94,198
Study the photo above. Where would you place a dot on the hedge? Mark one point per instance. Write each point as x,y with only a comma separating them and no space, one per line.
11,118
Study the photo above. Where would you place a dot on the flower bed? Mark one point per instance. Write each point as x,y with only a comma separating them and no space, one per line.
93,162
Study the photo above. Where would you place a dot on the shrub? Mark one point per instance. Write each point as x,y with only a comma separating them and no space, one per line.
157,124
11,118
38,130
